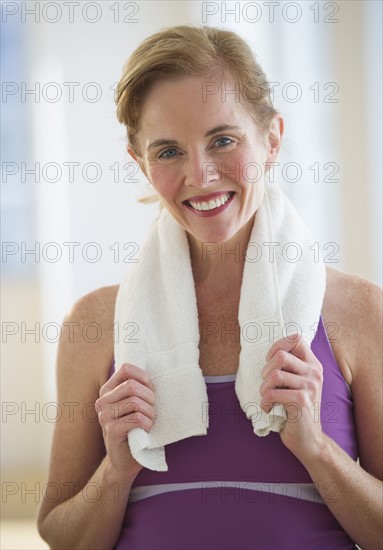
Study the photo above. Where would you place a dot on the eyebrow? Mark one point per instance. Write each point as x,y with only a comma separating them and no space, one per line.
221,128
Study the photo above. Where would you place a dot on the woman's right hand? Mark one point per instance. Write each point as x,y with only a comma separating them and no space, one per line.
126,402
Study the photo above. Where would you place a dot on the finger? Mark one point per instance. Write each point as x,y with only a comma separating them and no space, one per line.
294,344
278,379
125,372
282,360
126,408
121,427
294,398
129,388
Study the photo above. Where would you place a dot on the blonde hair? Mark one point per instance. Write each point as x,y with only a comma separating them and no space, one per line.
188,50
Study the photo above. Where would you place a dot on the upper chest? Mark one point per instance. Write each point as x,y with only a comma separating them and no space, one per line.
219,330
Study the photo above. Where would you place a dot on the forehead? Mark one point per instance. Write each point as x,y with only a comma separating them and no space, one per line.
192,102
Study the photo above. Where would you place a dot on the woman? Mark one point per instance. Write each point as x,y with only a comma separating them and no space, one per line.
181,121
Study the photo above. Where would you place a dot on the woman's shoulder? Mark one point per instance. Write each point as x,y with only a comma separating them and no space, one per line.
100,302
356,301
354,306
87,334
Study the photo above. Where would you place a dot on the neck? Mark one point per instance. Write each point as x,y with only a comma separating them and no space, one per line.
220,265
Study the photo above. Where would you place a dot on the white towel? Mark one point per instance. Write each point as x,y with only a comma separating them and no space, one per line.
282,292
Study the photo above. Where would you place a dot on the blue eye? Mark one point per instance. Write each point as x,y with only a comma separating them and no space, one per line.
221,139
164,154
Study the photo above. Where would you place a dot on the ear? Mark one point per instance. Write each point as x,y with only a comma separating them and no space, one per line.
274,140
137,159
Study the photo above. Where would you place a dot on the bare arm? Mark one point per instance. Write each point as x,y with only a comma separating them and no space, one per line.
358,504
353,492
93,517
87,492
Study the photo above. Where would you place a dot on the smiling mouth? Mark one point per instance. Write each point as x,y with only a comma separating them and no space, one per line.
211,204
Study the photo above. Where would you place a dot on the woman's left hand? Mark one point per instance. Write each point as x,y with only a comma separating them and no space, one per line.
293,376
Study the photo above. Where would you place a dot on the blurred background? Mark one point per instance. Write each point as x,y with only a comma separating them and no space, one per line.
70,217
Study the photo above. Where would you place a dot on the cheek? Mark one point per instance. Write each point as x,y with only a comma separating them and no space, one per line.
244,169
163,180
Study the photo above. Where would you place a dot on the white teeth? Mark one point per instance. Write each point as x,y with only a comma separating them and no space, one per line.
211,204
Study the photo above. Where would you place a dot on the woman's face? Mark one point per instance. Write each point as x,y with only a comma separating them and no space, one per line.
204,156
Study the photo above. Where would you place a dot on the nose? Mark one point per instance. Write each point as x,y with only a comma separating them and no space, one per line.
200,171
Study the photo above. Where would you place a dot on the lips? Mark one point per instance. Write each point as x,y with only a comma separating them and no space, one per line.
210,201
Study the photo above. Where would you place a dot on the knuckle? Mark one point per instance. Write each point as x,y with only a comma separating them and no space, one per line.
318,373
311,385
131,386
143,421
138,417
276,376
126,369
98,405
281,377
314,376
272,376
281,356
132,406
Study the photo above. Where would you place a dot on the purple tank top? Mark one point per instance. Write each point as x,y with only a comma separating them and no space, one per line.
233,490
